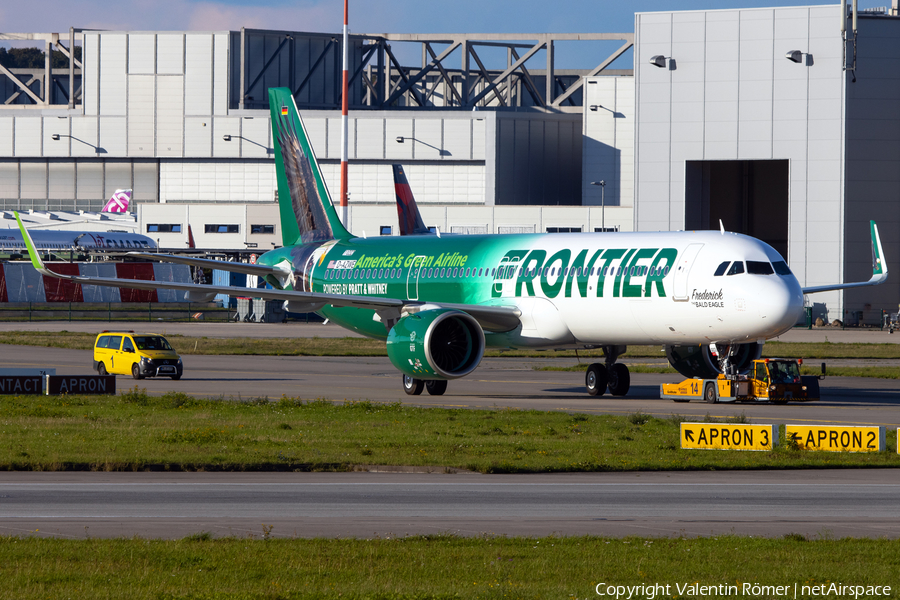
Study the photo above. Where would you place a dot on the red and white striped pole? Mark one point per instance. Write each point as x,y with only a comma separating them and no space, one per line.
344,104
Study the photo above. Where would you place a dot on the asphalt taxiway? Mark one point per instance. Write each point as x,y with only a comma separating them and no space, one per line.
822,503
170,505
498,382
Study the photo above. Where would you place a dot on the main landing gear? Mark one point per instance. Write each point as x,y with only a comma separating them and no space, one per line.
414,387
611,375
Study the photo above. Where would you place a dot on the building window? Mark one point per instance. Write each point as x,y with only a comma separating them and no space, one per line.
164,228
214,228
564,230
262,229
385,230
606,229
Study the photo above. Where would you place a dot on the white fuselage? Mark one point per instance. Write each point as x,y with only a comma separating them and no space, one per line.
696,305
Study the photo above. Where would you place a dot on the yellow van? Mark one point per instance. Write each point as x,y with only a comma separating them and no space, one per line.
137,354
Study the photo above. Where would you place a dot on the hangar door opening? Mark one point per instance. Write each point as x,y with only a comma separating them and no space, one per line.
749,196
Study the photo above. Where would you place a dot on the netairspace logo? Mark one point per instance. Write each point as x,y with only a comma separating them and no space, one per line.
753,590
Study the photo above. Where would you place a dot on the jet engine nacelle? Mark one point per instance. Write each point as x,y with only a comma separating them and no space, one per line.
436,344
699,361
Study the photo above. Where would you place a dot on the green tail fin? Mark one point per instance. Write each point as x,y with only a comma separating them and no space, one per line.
307,214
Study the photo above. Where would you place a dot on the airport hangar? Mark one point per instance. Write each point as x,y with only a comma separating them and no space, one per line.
772,120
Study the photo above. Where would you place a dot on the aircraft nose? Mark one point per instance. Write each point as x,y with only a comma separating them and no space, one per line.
780,304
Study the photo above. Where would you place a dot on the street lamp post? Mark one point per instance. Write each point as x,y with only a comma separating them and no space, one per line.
602,184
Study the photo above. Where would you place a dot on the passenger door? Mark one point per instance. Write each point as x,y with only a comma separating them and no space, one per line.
412,277
682,270
115,343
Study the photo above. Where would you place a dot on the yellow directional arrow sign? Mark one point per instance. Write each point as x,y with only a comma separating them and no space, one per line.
836,438
727,436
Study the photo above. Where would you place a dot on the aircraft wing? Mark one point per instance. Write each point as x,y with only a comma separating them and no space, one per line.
491,318
234,267
879,268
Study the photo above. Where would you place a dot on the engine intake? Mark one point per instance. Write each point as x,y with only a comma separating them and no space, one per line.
436,344
699,361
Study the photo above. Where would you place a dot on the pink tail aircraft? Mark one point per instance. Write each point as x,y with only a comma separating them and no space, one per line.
118,202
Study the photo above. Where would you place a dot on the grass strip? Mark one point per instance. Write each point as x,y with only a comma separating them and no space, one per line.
352,346
201,567
137,431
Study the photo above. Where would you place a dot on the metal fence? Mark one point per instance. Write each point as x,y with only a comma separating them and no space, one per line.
113,311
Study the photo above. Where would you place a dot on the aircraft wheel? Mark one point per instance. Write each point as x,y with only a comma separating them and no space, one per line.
619,379
412,386
596,379
709,393
101,369
436,387
136,371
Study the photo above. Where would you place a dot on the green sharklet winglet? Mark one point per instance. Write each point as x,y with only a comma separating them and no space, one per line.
29,243
879,267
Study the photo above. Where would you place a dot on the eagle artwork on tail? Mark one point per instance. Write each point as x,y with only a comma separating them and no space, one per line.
305,198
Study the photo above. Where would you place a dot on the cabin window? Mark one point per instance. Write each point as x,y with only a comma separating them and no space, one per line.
781,268
720,270
758,267
737,268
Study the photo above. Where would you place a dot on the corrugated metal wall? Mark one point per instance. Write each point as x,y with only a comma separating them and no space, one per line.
65,184
608,141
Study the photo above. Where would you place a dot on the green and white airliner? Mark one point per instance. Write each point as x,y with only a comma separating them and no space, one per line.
440,301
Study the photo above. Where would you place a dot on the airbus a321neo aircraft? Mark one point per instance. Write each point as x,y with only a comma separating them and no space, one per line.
439,301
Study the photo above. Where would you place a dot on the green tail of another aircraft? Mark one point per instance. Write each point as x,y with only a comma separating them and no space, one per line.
307,214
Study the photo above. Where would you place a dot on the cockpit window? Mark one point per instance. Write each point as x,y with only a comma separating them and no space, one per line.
781,268
720,270
756,267
737,268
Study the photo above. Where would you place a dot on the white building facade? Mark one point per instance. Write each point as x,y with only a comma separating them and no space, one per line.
794,152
